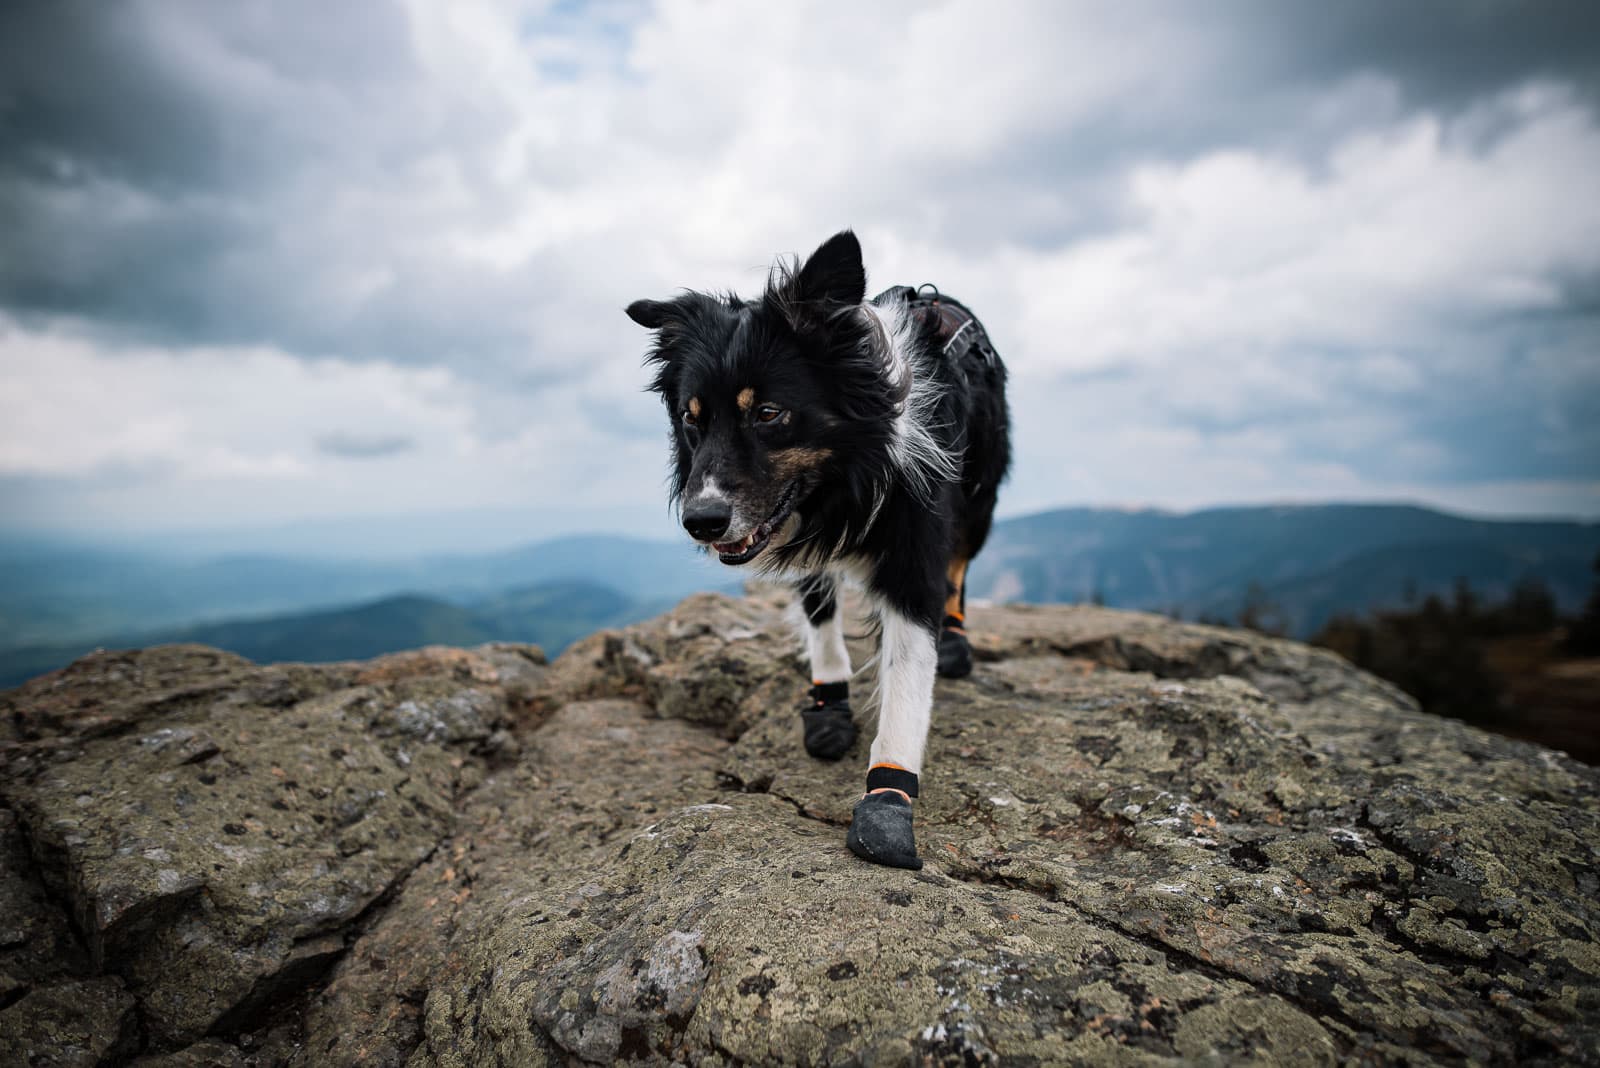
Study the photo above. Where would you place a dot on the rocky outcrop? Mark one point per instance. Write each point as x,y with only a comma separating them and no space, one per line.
1146,842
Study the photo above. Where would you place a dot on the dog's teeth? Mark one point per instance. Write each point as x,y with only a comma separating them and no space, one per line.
743,545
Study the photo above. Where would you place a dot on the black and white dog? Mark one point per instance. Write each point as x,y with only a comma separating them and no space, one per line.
822,437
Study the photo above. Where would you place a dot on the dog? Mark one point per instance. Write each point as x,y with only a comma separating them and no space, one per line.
820,437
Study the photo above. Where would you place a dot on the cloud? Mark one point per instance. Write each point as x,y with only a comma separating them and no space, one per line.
439,185
199,413
364,447
360,258
162,438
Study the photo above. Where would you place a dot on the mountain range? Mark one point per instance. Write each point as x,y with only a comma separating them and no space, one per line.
1310,562
551,615
52,592
1307,562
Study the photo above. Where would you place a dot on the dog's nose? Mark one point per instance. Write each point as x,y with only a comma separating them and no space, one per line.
707,520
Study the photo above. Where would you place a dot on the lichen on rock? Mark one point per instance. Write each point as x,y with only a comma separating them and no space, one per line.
1145,842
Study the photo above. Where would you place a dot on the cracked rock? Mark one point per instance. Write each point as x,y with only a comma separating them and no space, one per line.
1145,842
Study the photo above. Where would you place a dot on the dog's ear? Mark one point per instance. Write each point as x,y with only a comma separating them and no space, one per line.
658,315
833,274
652,314
831,279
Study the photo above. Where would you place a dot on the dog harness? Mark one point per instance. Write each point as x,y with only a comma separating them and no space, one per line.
955,327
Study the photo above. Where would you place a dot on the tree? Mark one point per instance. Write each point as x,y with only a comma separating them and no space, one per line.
1583,637
1465,606
1432,652
1260,613
1531,609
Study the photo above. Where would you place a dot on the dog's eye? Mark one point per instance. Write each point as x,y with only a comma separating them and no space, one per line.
767,413
690,419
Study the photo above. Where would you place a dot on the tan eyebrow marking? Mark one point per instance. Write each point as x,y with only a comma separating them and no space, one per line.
747,399
694,407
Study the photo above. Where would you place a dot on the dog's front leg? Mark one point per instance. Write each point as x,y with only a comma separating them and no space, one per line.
830,730
880,830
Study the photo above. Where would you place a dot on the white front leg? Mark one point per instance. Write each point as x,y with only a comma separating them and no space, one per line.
830,660
907,659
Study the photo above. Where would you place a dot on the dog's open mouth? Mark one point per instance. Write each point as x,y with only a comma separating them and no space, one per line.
747,549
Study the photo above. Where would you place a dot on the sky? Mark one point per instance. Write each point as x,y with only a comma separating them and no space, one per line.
357,270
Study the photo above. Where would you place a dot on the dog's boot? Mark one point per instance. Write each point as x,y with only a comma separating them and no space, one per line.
955,652
830,730
880,828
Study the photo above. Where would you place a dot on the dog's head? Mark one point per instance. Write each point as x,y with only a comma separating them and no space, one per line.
776,403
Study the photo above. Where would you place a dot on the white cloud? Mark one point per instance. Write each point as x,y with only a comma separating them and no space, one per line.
1406,236
168,437
74,409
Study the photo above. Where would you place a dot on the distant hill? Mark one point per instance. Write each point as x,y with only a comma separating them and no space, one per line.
51,594
1310,561
552,615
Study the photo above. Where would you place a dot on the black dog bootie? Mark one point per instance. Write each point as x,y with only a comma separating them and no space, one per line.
955,652
830,731
880,827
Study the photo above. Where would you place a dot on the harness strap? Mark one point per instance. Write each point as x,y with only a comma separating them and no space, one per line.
958,330
954,322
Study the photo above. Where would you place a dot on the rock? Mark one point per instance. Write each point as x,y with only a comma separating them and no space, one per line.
75,1024
36,938
220,830
209,1053
1144,842
739,930
597,771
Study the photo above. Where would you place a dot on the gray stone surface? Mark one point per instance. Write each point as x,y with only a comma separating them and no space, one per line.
1145,842
69,1024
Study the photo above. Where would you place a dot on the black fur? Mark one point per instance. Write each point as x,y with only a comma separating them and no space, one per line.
818,599
806,348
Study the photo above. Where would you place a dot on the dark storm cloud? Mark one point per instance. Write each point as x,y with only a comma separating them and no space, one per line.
84,89
193,173
1442,53
225,271
166,95
1250,76
199,172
